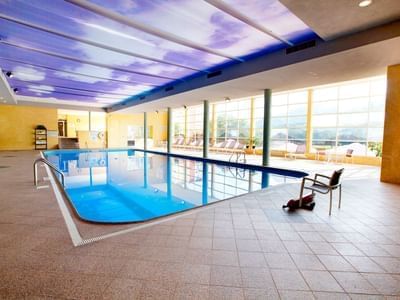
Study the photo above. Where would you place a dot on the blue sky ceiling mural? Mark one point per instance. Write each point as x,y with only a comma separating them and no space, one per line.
103,52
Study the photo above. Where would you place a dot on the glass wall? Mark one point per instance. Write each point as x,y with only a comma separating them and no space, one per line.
194,125
343,116
289,120
258,127
233,121
349,116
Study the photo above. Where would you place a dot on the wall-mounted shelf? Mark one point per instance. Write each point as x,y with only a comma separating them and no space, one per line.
40,138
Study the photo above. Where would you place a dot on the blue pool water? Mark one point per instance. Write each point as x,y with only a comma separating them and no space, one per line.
120,186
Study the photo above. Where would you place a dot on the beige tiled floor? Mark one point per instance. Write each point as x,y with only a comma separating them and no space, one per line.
246,248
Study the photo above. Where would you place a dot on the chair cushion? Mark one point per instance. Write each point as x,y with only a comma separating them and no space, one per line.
335,178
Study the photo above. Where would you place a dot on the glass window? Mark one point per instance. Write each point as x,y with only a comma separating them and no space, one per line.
352,134
353,105
297,121
376,119
356,120
324,134
354,90
298,97
377,103
297,109
278,111
279,134
323,94
324,120
328,107
276,122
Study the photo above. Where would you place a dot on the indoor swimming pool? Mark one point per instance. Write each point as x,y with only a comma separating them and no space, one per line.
122,186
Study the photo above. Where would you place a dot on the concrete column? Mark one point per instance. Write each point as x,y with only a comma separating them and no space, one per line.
90,121
309,118
267,126
145,130
169,130
145,173
185,127
206,131
390,171
213,126
205,184
251,133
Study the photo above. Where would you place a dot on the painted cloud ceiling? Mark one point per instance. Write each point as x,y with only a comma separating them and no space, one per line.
104,52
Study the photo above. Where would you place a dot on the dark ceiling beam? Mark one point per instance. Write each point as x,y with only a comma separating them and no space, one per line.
83,61
238,15
95,44
74,73
148,29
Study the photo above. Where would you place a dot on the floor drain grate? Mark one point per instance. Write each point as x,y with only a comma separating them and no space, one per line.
3,167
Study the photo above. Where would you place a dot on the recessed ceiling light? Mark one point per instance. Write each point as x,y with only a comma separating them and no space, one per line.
364,3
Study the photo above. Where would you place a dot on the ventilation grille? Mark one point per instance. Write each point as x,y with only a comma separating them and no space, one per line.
214,74
300,47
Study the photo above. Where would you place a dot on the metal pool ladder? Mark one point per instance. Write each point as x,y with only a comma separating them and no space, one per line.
43,160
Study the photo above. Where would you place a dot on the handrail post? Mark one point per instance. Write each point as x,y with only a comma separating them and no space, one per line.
45,161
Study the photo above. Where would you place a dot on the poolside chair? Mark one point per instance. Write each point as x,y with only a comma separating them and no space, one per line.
330,184
348,156
299,152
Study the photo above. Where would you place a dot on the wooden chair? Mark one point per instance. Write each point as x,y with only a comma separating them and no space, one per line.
333,183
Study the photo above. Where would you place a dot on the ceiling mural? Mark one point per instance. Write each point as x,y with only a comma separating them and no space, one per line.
104,52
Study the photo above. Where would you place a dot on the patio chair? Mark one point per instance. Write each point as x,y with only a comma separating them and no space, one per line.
348,156
330,184
299,152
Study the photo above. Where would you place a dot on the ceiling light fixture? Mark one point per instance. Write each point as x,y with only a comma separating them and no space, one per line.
365,3
15,90
9,74
227,99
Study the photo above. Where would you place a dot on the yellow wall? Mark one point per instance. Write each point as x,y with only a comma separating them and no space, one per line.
91,140
390,171
76,123
117,125
159,122
17,124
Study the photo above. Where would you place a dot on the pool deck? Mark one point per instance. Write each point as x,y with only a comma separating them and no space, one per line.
245,248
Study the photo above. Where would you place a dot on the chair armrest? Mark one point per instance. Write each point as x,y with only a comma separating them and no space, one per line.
315,181
321,175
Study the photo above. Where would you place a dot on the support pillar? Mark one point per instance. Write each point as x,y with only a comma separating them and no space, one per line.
169,130
309,118
145,130
90,121
206,131
267,125
390,171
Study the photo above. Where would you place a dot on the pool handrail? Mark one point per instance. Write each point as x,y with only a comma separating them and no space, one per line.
43,160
